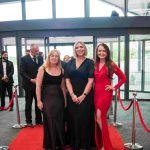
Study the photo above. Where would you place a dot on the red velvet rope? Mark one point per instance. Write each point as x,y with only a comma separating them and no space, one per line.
141,118
118,95
6,108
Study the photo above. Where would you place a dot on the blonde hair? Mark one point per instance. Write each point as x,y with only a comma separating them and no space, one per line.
47,63
83,44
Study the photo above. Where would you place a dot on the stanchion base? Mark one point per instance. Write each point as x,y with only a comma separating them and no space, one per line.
4,148
18,126
116,124
131,146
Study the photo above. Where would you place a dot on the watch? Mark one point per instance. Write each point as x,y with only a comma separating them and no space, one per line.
85,94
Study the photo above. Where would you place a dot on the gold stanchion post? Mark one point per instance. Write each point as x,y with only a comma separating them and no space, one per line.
19,125
133,145
115,123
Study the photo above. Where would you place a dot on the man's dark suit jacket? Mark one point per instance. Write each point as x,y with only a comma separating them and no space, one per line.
9,71
29,70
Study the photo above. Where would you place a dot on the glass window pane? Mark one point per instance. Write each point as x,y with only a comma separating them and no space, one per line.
65,44
99,8
9,45
38,9
65,50
139,65
69,8
10,11
68,50
147,66
12,57
139,8
70,39
89,50
135,65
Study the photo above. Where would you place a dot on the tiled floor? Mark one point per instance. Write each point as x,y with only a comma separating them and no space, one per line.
8,119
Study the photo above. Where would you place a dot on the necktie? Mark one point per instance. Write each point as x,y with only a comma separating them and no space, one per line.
34,59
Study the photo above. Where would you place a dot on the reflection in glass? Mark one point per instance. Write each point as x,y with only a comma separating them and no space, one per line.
98,8
139,8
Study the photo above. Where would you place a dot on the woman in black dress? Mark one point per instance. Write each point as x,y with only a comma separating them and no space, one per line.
50,90
79,81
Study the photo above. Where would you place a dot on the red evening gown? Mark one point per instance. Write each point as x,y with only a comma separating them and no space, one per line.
102,101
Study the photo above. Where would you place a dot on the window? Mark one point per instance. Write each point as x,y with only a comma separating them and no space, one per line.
69,8
9,45
135,65
147,66
65,44
99,8
38,9
65,50
139,64
139,8
10,11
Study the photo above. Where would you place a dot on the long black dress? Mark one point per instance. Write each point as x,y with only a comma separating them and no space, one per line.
53,111
81,116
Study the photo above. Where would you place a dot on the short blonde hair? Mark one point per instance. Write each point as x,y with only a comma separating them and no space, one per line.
83,44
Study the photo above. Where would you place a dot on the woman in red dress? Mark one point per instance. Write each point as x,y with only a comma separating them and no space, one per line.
103,90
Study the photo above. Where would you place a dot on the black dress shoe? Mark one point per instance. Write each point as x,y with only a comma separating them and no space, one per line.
29,125
11,109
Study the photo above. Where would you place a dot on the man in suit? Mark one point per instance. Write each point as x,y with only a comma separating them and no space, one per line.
28,69
6,77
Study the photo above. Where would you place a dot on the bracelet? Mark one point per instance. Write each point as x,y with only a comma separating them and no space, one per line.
84,94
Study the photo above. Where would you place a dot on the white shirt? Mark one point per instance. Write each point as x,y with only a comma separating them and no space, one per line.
33,59
4,68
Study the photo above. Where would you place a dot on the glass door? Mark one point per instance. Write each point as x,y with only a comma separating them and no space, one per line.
9,45
139,65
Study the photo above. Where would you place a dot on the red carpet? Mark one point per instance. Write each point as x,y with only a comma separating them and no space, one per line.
116,139
32,138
